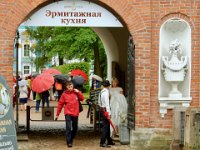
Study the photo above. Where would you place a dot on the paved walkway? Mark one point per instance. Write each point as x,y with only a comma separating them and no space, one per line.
51,135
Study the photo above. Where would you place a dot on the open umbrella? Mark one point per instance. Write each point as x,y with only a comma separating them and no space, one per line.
61,78
42,83
78,72
78,80
34,75
98,78
14,79
51,71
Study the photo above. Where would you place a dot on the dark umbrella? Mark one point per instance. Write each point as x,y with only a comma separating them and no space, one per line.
78,80
61,78
34,75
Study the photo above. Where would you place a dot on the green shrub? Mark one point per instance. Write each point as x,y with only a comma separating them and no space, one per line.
84,66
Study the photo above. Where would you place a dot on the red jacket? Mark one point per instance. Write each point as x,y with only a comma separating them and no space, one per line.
70,101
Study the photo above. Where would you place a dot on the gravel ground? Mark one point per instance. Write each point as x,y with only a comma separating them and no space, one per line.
51,135
50,140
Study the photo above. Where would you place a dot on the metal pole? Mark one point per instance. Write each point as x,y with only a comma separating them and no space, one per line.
28,119
17,79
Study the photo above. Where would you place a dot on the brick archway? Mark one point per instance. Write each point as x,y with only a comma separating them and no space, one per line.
14,13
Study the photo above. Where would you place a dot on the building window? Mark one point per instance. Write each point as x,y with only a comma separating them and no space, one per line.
26,69
26,50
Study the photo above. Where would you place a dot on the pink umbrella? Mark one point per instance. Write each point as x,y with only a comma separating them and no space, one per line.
51,71
42,83
105,113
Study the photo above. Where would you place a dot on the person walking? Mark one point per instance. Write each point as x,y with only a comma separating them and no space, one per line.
37,102
105,111
23,96
45,98
69,99
29,86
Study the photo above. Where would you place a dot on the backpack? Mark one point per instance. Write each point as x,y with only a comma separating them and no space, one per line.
58,86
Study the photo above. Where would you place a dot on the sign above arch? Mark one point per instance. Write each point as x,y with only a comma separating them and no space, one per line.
74,13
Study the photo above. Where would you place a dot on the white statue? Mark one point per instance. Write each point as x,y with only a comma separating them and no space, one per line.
174,68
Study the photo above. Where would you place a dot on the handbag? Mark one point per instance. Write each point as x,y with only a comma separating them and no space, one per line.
80,105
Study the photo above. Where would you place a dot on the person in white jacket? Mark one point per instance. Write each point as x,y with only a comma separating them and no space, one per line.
23,96
104,103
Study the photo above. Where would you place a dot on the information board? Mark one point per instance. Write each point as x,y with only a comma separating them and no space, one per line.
8,140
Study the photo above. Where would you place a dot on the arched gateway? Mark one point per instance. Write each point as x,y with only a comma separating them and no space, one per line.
140,19
111,31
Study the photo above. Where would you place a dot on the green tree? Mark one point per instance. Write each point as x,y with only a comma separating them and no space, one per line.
69,43
42,36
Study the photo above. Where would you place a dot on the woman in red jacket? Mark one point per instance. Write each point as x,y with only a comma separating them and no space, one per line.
69,100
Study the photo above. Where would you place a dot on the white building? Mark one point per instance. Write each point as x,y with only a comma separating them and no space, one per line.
26,65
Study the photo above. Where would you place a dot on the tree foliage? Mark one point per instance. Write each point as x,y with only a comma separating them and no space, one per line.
68,43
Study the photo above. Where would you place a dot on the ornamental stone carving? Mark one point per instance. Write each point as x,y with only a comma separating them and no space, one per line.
174,69
174,65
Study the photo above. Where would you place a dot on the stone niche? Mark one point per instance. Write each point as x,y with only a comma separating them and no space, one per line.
174,65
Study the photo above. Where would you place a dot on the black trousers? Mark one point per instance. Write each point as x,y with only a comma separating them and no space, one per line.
71,128
105,135
34,95
45,99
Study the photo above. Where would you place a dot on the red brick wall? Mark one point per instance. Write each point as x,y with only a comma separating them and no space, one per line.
189,11
143,19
